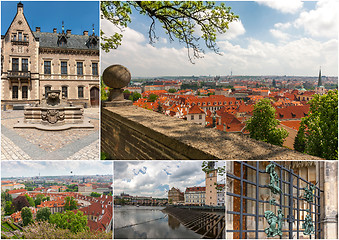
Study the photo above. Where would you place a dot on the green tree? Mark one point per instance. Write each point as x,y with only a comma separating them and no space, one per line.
30,200
172,90
263,125
321,126
95,194
9,208
70,203
29,188
179,19
300,140
5,196
20,202
152,97
134,96
38,199
103,93
43,214
26,215
69,220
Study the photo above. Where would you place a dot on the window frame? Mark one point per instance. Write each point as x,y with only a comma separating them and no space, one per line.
80,68
16,64
24,69
46,67
63,69
17,92
24,92
82,91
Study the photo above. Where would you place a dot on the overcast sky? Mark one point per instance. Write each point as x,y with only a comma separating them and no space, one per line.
155,178
55,168
286,37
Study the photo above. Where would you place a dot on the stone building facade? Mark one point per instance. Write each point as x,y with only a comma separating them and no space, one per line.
175,196
195,196
33,62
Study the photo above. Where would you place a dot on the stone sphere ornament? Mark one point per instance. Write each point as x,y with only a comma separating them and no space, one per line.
116,76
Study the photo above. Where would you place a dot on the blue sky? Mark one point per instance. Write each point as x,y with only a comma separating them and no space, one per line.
271,38
155,178
55,168
77,16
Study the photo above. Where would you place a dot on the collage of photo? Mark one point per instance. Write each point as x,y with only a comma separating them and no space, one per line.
169,119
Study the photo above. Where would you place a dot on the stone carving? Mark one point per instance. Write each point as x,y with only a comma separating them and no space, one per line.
308,195
274,179
308,225
54,113
52,116
274,222
273,202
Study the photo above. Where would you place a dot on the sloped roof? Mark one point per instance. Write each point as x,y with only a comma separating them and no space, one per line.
50,40
195,110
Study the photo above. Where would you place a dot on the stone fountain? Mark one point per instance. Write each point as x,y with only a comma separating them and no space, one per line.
54,113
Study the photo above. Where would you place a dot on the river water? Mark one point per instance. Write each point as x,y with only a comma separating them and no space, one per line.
148,222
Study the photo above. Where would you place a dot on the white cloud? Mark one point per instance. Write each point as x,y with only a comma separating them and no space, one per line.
282,25
322,21
297,57
235,29
157,177
285,6
280,35
55,168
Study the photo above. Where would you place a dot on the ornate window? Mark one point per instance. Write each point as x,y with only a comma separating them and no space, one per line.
80,68
47,88
64,91
24,91
80,92
15,64
19,36
95,69
15,92
24,65
47,67
64,68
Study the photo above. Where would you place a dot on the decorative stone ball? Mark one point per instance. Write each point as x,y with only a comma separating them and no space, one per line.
116,76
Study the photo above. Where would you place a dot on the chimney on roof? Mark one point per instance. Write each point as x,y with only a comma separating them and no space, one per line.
54,30
20,7
68,31
37,29
85,33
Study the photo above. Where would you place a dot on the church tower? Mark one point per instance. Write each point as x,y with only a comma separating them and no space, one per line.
211,196
320,83
320,89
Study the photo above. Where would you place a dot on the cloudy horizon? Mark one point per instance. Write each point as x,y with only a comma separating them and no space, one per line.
155,178
290,38
32,168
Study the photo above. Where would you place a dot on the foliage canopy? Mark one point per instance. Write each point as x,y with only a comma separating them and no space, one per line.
263,126
189,22
318,131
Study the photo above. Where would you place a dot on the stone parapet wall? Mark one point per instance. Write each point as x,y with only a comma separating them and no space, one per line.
130,132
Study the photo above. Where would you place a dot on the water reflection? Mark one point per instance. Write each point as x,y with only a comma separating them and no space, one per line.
148,222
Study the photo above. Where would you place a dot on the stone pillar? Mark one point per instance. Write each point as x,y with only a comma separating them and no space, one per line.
329,209
116,77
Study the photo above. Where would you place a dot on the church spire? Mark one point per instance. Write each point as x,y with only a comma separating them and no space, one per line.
320,83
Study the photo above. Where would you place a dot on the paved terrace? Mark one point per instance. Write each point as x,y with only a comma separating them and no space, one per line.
34,144
130,132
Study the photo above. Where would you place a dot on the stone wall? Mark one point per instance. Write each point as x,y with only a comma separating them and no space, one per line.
130,132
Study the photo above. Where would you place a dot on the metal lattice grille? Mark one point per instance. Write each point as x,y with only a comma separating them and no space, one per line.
250,195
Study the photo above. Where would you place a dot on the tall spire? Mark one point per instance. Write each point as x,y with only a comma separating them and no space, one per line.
320,83
63,29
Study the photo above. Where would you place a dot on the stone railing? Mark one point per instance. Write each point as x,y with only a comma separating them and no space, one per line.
130,132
